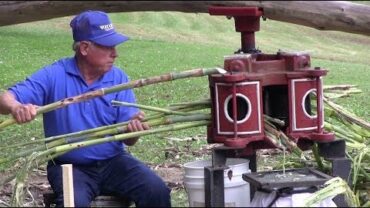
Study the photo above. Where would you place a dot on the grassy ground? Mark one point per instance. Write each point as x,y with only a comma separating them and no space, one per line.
162,42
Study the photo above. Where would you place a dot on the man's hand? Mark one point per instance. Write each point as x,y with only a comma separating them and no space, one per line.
24,113
21,113
134,125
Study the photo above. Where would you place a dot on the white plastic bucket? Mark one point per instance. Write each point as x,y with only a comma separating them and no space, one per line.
236,189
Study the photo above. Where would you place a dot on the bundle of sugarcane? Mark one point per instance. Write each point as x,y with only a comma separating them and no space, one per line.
165,120
355,131
186,112
338,91
52,147
332,188
133,84
55,146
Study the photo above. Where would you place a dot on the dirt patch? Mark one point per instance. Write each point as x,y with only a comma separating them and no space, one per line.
172,174
37,185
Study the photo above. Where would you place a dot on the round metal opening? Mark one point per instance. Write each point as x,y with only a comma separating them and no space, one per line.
309,99
243,108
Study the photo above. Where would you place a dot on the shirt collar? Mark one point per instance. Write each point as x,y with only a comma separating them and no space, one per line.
72,67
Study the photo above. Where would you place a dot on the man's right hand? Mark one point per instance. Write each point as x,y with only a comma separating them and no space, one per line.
21,113
24,113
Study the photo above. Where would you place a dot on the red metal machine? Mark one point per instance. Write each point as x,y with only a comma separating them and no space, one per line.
256,84
278,85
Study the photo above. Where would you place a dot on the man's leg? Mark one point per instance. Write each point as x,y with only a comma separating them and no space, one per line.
85,187
128,177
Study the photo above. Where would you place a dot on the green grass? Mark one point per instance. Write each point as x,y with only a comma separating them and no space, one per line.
162,42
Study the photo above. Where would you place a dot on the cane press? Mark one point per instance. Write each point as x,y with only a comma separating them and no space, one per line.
279,85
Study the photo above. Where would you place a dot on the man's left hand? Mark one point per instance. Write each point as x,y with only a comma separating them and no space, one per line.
134,125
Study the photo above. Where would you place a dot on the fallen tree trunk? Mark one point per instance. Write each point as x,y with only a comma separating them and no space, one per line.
322,15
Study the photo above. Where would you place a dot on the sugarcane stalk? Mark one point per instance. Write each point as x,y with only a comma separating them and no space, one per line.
337,91
21,181
334,186
337,87
88,132
102,131
109,131
274,120
367,204
91,132
315,151
357,165
342,131
120,137
84,133
285,140
123,129
274,140
206,101
146,107
354,127
132,84
19,154
365,173
332,96
22,175
329,112
347,93
43,160
355,145
49,154
349,141
347,115
154,120
59,150
355,162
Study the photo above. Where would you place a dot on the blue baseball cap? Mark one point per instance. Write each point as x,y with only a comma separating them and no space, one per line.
96,26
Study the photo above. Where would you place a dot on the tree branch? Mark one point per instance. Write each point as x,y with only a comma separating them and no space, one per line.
322,15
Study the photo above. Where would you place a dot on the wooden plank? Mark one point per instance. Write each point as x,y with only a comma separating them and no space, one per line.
68,192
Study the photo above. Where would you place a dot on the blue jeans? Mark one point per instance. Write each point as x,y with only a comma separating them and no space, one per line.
122,176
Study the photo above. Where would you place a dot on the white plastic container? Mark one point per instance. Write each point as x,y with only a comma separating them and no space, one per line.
237,191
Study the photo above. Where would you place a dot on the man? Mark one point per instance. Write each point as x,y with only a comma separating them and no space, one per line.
99,169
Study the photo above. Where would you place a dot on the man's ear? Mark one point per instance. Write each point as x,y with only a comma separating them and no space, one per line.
84,48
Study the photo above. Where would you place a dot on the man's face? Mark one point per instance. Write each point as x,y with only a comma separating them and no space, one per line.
101,58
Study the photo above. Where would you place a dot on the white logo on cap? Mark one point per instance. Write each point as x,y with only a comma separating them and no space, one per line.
106,27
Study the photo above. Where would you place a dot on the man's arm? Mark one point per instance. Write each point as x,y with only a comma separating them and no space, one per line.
22,113
134,125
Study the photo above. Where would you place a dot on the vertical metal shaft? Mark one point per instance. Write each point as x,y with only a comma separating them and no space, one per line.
235,109
319,104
